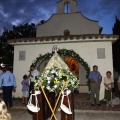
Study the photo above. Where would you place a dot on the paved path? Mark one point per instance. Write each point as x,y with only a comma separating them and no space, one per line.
22,114
83,110
81,102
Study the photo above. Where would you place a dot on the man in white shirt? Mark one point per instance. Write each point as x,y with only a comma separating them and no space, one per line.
34,73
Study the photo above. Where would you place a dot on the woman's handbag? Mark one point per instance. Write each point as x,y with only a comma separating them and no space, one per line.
32,107
67,110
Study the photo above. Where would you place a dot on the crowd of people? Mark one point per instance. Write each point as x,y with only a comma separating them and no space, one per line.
8,85
111,85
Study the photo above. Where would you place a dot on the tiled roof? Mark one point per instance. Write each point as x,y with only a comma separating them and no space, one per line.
61,39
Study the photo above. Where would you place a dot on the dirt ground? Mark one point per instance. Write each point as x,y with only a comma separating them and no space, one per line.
81,115
83,110
21,114
97,116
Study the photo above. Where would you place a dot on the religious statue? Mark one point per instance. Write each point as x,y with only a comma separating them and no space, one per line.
56,61
56,82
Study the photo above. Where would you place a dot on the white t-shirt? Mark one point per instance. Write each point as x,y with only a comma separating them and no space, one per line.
108,81
34,74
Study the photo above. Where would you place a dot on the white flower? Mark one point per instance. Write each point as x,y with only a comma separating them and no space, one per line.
53,71
52,90
56,73
72,82
48,78
48,87
45,75
55,86
36,84
48,81
47,71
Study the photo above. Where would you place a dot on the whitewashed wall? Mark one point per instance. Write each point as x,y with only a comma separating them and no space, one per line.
87,50
76,23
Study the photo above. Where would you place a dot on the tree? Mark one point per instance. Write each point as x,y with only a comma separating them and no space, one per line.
21,31
116,45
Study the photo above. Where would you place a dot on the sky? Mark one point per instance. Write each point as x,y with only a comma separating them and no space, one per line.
16,12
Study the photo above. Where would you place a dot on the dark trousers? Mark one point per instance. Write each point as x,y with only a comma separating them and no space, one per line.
116,87
31,87
7,95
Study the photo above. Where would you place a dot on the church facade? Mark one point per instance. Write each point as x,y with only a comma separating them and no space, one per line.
71,30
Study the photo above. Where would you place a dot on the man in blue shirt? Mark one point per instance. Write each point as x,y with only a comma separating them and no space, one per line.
8,84
95,81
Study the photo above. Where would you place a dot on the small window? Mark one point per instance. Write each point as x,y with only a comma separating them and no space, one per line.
22,55
100,53
67,7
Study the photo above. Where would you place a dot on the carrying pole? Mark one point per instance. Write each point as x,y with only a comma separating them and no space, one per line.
48,102
57,101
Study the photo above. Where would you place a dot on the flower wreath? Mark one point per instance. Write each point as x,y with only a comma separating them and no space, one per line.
52,79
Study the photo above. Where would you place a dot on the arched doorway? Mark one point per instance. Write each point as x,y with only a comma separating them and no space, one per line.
82,69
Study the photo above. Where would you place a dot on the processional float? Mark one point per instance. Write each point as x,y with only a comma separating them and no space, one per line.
56,78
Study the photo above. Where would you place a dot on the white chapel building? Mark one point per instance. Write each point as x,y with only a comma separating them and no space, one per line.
72,31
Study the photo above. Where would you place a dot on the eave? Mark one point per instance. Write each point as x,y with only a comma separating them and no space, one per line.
65,39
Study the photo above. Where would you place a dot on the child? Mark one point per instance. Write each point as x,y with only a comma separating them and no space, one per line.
108,82
25,89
